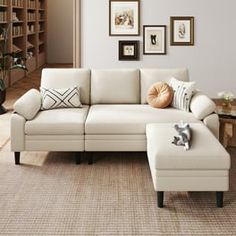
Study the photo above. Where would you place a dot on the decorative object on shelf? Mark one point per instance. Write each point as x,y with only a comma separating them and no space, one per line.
128,50
14,17
227,97
182,30
154,39
124,17
8,61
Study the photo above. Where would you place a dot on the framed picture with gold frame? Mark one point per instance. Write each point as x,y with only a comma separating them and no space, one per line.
182,30
124,17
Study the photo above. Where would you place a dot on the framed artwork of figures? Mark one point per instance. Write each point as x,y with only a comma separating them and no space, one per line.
124,17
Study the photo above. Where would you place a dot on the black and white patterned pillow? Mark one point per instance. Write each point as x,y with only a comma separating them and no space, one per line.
60,98
183,92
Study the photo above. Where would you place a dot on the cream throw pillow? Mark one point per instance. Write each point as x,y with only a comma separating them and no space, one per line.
183,92
60,98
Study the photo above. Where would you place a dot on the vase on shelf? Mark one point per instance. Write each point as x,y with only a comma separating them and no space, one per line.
226,106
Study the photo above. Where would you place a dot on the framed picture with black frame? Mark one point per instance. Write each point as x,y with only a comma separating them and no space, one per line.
124,17
154,39
129,50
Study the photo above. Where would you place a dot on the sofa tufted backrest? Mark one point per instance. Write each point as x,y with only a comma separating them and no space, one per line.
69,77
150,76
117,86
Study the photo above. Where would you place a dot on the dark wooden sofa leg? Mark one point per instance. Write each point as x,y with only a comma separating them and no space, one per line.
78,158
160,199
90,157
17,158
219,199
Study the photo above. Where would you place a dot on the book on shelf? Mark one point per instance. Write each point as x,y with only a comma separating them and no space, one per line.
17,30
17,3
3,16
31,4
31,29
3,2
41,16
41,5
31,16
41,27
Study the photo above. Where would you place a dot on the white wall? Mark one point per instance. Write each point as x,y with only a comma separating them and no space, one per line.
211,61
60,31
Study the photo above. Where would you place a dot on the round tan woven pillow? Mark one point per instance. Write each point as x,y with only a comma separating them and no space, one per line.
160,95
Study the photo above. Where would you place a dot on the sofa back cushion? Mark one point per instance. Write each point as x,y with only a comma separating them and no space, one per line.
151,76
117,86
67,78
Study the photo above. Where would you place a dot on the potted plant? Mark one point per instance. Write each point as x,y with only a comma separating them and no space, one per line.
8,61
227,98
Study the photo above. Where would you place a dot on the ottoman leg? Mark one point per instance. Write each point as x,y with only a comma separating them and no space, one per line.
17,158
160,198
219,199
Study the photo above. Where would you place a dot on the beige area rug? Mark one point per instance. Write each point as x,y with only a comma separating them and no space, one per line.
49,195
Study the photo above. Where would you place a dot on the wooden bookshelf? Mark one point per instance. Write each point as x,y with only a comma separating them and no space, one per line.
28,32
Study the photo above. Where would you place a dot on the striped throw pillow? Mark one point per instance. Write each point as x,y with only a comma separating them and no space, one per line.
60,98
183,92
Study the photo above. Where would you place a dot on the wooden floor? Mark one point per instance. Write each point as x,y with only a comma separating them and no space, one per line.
32,80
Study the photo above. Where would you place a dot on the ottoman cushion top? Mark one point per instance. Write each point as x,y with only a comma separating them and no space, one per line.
205,153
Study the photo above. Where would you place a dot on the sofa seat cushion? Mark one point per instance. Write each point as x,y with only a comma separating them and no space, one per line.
65,121
130,119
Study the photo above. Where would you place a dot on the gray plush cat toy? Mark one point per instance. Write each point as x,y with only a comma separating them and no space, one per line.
184,135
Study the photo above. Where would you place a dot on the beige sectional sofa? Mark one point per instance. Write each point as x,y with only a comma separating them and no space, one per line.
113,117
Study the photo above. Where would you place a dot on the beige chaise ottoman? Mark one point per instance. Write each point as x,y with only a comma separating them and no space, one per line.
205,167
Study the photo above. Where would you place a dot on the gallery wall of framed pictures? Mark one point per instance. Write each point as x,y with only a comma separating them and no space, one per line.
124,20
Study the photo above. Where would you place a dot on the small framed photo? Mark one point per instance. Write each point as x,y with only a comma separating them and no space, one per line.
124,17
128,50
154,39
182,30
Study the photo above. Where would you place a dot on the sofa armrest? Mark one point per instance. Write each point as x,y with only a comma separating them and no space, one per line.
201,105
213,124
29,104
17,133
